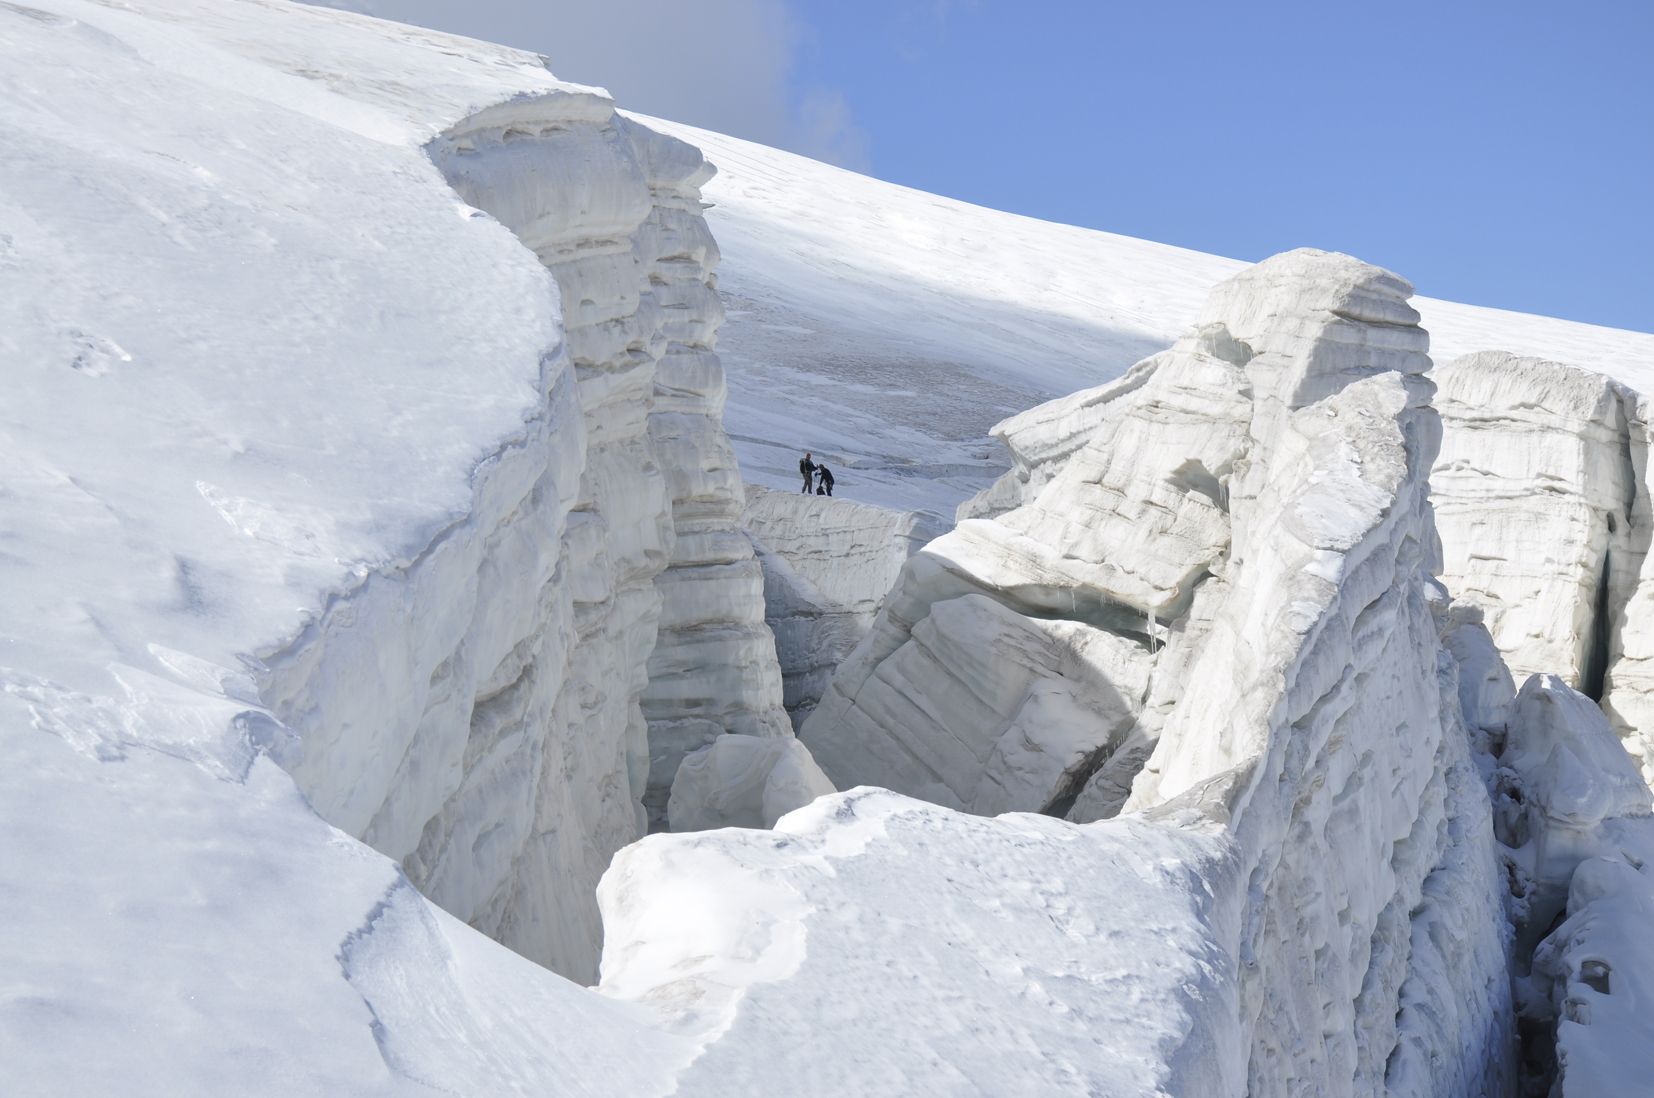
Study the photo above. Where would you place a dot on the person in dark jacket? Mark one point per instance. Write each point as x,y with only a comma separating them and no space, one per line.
825,480
807,467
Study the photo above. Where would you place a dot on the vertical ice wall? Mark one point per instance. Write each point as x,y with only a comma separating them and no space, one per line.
1542,500
1371,949
491,721
1248,603
827,566
713,671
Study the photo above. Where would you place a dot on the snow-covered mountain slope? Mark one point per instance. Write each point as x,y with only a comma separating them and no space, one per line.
890,328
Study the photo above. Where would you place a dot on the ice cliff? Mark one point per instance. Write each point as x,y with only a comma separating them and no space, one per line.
1220,567
1542,496
493,586
827,566
541,672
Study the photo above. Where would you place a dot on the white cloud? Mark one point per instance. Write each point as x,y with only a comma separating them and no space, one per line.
825,131
720,64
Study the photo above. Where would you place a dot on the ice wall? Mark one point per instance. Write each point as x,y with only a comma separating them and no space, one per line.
713,671
827,563
1542,500
1223,563
500,719
1536,496
274,390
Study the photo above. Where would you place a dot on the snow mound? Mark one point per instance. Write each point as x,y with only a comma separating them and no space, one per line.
744,781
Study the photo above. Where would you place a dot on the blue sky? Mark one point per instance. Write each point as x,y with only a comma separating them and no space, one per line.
1495,153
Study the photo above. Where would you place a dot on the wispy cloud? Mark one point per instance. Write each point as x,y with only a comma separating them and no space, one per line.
825,131
726,65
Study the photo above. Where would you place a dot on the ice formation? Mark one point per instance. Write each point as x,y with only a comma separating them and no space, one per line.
1572,818
525,588
380,569
1266,480
744,781
890,329
827,566
1542,498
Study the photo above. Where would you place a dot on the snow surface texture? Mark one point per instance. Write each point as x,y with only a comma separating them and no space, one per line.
1306,705
874,944
887,329
827,565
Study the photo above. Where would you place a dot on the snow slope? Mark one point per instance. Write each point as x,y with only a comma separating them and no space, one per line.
890,328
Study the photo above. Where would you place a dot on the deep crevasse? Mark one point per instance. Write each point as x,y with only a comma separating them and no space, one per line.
536,678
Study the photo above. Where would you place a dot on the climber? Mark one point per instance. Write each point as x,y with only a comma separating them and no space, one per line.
807,467
826,481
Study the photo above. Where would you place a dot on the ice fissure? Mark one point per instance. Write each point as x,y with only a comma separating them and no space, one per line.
538,677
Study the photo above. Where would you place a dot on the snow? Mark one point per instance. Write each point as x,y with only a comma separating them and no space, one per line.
1303,706
1534,487
371,540
288,480
1572,818
828,564
172,933
889,328
877,945
188,463
744,781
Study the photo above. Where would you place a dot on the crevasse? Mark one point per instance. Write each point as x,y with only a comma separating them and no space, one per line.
511,709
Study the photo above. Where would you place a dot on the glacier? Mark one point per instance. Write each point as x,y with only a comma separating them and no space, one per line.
401,537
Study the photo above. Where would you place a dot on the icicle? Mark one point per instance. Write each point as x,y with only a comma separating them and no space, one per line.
1151,633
